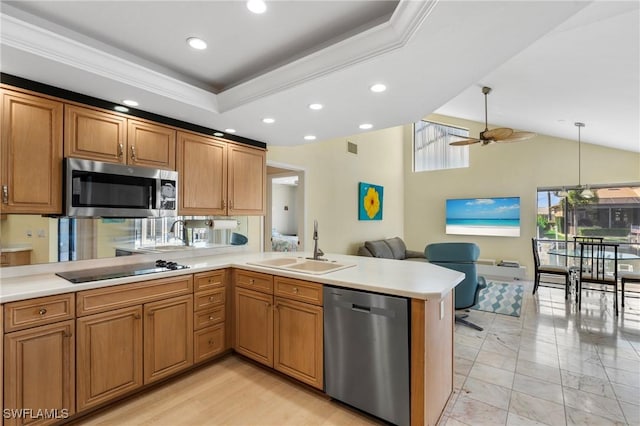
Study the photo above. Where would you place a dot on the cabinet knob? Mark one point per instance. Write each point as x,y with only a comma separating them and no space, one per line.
209,281
211,298
120,150
295,289
133,153
42,311
5,194
66,335
210,318
136,316
224,204
252,281
210,342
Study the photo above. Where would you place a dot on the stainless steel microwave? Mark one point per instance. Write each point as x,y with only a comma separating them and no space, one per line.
97,189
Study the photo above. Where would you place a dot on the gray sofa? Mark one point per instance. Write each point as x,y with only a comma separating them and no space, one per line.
391,248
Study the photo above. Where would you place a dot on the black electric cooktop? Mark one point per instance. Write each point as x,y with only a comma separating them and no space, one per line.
120,271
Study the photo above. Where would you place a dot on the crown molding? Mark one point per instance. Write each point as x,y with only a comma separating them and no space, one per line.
379,40
41,42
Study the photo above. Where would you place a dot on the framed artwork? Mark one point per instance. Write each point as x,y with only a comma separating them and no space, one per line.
370,199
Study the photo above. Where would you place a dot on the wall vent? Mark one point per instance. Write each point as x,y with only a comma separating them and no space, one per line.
352,148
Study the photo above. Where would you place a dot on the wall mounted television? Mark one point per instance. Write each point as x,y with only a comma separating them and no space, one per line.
497,216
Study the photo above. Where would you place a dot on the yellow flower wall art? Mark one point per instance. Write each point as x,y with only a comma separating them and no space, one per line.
370,201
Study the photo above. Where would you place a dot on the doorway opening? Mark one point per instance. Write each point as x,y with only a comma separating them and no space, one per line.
285,218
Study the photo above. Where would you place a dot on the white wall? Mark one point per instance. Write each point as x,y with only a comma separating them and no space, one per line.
515,169
331,186
284,196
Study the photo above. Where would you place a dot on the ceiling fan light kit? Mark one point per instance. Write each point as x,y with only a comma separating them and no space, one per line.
500,134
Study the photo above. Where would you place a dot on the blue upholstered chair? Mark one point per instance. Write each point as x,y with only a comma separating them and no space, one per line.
460,257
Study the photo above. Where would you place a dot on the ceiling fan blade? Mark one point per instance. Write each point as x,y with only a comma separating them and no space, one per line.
465,142
518,136
497,134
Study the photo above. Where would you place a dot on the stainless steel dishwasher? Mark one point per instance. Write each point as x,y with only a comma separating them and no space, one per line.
366,352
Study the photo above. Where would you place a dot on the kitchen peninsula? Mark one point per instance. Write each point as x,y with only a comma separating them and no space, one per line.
218,295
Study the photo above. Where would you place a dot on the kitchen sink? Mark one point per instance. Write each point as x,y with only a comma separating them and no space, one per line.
306,266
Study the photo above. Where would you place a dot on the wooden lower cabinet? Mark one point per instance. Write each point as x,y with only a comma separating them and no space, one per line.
109,357
39,374
254,325
298,344
208,342
168,337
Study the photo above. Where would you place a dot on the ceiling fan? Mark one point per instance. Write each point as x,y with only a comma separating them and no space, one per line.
501,134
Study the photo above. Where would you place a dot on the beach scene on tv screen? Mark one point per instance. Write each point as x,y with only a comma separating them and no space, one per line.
484,216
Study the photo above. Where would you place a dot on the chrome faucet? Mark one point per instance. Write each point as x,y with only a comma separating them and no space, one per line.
316,251
185,231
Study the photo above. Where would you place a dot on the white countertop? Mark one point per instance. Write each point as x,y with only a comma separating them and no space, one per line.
420,280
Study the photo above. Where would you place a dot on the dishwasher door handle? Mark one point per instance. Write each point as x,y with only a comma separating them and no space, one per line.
361,308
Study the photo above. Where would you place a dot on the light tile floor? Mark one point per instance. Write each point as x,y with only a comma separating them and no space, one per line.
551,366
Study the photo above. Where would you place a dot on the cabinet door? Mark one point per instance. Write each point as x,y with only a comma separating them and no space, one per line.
31,142
254,325
298,341
39,372
94,135
168,337
151,145
247,181
109,356
202,165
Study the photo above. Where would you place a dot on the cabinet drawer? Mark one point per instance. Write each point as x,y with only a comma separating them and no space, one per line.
209,317
108,298
254,281
209,280
303,291
208,342
209,299
43,310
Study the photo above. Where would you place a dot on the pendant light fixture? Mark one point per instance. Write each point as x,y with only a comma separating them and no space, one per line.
584,192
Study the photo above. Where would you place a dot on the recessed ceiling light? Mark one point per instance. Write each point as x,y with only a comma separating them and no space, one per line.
268,120
315,106
309,138
130,103
366,126
197,43
121,108
257,6
218,134
230,130
377,88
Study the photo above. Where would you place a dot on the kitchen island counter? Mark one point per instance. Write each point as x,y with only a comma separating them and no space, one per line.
418,280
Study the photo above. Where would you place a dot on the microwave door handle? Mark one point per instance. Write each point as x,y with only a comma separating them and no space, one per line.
150,197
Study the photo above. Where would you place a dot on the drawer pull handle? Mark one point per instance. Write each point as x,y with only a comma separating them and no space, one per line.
120,150
209,281
133,153
42,311
211,298
5,194
210,318
251,281
295,289
210,342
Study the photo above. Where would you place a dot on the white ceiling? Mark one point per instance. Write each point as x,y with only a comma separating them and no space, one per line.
549,63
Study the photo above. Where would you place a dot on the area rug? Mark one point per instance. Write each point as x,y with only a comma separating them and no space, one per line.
501,298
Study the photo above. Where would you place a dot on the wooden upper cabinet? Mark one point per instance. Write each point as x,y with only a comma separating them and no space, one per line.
31,151
94,135
247,181
151,145
202,167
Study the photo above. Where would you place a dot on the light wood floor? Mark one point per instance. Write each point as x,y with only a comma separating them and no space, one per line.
231,391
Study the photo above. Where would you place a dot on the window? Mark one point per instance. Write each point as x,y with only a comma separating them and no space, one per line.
431,149
613,213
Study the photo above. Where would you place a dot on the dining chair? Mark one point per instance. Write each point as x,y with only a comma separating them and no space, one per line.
628,277
548,269
598,265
